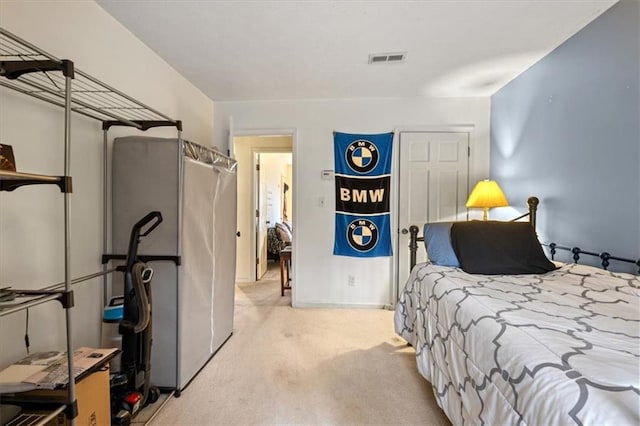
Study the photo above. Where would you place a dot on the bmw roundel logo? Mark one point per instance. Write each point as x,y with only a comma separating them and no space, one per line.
362,156
362,234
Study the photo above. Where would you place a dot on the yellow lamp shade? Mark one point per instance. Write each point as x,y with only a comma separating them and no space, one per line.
485,195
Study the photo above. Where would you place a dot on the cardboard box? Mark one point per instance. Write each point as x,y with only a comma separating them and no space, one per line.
48,370
92,395
94,400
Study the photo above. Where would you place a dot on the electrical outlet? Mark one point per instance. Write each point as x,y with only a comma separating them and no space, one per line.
351,281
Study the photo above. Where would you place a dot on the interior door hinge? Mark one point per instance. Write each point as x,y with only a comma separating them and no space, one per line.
257,260
257,213
257,167
468,151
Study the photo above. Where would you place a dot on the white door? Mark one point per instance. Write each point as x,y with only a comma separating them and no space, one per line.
262,231
261,221
434,184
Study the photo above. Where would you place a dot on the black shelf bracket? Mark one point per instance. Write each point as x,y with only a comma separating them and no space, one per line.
71,412
14,69
143,125
144,258
65,183
66,299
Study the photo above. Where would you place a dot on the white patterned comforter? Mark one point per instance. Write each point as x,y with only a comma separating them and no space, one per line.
553,349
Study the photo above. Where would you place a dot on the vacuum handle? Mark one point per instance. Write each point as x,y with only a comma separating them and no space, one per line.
146,220
153,218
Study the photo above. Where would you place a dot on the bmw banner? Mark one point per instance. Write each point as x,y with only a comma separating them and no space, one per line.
363,180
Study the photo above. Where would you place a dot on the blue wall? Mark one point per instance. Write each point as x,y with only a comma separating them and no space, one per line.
567,131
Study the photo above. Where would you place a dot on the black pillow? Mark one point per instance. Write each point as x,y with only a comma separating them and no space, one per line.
499,248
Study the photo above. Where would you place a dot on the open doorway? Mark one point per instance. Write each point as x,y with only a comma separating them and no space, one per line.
265,169
272,196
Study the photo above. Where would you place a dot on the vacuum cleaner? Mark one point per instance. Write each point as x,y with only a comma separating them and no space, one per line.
131,388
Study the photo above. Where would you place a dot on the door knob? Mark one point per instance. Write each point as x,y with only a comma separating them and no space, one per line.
238,234
404,231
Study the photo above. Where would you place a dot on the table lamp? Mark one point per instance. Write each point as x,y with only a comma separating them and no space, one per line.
485,195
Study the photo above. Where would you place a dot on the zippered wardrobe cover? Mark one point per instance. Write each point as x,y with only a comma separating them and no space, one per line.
195,190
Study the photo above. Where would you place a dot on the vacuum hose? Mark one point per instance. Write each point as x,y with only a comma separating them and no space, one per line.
144,307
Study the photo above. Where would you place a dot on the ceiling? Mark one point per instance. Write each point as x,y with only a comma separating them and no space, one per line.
267,50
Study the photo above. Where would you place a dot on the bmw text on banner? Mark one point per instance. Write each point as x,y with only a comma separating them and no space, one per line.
363,180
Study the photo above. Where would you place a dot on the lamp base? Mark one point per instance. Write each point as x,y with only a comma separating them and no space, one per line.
485,213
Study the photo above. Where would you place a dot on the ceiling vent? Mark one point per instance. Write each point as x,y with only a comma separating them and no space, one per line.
380,58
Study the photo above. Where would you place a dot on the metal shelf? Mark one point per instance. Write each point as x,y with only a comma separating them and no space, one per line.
30,70
43,295
29,419
34,72
37,297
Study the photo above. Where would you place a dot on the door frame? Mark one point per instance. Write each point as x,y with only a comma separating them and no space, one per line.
395,195
293,133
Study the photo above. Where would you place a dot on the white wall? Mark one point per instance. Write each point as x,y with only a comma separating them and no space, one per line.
319,277
31,218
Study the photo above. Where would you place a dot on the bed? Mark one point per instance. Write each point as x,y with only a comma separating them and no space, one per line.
546,348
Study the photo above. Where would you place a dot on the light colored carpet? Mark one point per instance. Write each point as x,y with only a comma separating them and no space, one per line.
306,367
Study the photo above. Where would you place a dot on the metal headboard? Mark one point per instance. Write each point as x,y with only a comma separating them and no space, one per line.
532,203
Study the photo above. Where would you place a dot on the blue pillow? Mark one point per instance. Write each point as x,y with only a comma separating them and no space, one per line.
437,238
